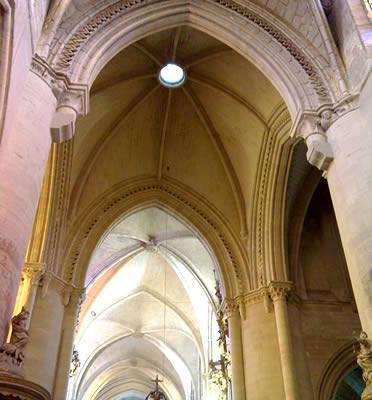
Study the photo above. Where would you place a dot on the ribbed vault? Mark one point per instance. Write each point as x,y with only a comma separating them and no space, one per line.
150,311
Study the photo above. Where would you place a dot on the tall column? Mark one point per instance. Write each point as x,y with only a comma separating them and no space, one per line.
236,349
69,324
279,294
350,181
45,333
262,366
23,156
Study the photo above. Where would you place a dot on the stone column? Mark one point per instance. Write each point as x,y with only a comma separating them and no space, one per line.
45,333
69,324
262,366
236,349
350,181
279,292
23,156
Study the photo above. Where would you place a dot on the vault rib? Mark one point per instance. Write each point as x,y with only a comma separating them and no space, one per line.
148,54
175,44
102,142
228,167
212,84
121,79
163,134
205,56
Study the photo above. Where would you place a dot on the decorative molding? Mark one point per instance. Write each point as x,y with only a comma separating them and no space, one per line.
11,387
104,17
190,204
280,291
275,140
73,95
70,294
33,272
230,307
317,83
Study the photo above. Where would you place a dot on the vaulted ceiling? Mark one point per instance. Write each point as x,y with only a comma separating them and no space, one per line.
206,134
149,310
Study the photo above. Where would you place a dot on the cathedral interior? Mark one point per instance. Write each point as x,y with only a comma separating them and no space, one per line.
185,199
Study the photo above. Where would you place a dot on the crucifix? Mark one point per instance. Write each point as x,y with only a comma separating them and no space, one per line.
157,380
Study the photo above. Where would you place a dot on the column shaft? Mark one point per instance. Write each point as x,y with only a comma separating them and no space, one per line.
23,156
286,348
349,178
45,331
237,365
66,347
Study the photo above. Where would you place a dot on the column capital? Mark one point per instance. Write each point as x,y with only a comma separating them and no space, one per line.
280,290
230,307
33,272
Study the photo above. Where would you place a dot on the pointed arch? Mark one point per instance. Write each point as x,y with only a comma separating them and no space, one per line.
208,224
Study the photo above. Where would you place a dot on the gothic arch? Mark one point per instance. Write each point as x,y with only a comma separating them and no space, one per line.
208,224
335,369
299,71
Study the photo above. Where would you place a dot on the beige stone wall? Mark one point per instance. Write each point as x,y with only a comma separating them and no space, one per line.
326,328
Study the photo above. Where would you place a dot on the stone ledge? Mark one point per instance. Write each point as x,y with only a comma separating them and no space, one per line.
15,388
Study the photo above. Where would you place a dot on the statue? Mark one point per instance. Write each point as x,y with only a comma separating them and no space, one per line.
364,360
12,354
218,377
75,363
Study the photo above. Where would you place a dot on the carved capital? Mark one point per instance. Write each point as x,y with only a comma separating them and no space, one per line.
33,272
280,290
230,307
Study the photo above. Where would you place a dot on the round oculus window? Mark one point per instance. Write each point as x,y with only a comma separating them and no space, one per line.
172,75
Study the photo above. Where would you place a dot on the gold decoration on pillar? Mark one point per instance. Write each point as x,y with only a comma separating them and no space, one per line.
364,360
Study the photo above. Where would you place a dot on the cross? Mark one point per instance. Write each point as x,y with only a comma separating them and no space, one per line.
157,380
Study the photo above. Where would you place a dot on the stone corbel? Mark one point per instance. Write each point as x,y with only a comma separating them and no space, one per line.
63,123
72,99
312,129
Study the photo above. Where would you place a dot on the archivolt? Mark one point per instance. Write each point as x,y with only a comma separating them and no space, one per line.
302,82
212,228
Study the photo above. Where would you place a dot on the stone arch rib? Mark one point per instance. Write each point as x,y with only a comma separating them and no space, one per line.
104,17
127,197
